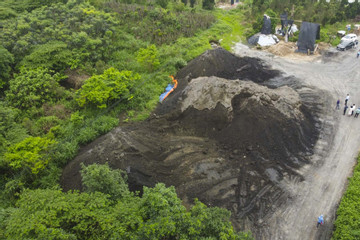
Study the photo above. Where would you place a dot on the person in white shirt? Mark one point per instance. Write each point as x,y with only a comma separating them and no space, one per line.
347,99
351,109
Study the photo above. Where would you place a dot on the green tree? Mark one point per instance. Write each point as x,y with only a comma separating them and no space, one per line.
52,214
6,60
6,12
158,214
101,178
31,153
148,57
33,88
162,3
53,55
208,4
10,131
100,90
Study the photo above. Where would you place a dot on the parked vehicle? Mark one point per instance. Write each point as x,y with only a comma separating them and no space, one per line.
345,45
347,42
350,37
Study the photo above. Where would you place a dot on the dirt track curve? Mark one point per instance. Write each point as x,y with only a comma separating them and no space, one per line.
335,152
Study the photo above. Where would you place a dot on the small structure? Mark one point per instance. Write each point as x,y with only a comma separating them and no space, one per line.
309,32
265,38
266,29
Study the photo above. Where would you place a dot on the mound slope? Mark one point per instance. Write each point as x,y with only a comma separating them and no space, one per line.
228,143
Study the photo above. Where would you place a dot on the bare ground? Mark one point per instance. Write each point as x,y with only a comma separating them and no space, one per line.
269,147
335,152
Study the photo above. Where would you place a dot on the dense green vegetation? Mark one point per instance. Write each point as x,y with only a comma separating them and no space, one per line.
347,224
108,210
68,69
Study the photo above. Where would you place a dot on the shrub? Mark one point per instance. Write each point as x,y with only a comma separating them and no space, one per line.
101,90
162,3
208,4
44,124
10,131
101,178
6,60
53,55
31,153
6,13
347,225
148,57
32,88
64,151
52,214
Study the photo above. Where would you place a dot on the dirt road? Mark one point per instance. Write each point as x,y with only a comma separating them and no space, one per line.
325,178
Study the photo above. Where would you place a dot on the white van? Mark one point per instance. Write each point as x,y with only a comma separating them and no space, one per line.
350,38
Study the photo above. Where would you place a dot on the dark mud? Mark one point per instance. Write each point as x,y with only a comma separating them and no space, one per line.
227,143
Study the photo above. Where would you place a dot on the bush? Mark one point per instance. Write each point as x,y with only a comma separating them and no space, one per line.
31,153
64,151
33,88
10,131
67,216
347,225
208,4
6,60
6,13
148,58
101,178
53,55
162,3
101,90
158,214
44,124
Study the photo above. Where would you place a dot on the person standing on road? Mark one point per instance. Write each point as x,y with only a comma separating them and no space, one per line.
338,104
351,110
347,99
345,108
357,112
320,221
358,54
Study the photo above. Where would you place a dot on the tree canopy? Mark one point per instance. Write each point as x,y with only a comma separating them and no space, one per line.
110,211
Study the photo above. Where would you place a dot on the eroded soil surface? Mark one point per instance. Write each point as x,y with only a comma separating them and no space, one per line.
258,137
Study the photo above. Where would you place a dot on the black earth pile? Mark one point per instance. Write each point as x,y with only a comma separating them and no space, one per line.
233,156
220,63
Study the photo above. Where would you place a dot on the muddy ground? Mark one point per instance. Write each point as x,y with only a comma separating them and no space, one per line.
258,137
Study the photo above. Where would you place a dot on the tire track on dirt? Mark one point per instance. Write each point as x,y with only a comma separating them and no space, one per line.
325,178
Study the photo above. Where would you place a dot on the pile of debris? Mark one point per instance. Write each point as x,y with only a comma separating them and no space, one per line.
223,136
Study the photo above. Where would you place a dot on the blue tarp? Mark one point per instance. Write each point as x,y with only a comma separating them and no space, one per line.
167,90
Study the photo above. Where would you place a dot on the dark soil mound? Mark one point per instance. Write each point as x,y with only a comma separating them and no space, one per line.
228,143
219,63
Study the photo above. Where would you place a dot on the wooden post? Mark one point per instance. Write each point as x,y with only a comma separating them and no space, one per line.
292,11
316,47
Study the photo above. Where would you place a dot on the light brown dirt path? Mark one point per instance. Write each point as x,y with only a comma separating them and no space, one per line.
325,178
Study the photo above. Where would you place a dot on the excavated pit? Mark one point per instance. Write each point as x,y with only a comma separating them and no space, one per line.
228,142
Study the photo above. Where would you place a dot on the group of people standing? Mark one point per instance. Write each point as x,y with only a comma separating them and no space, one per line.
349,110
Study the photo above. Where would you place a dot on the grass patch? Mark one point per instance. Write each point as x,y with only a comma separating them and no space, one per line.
347,222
